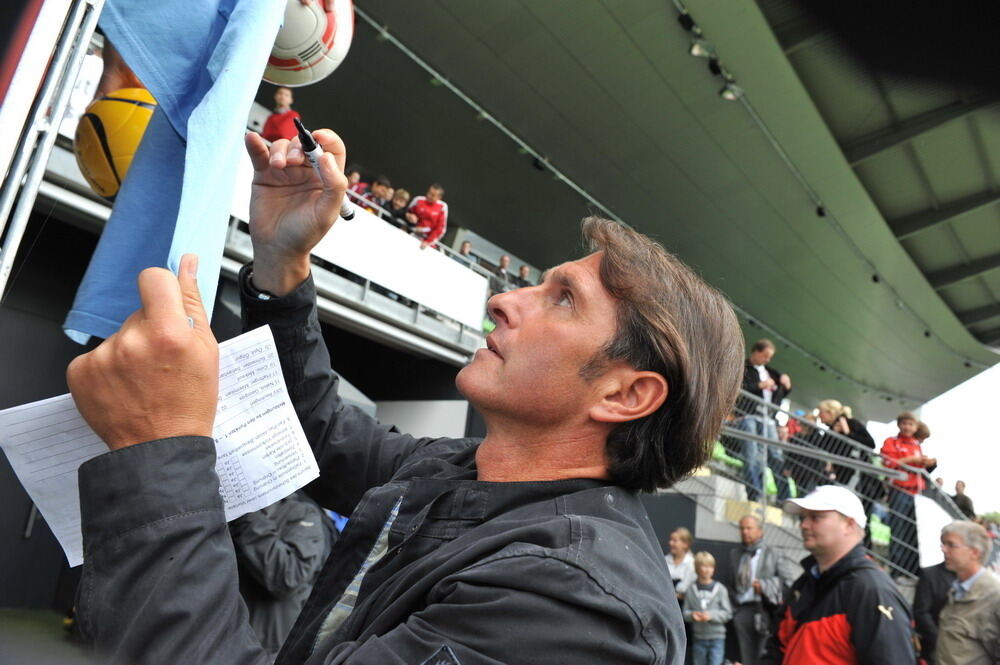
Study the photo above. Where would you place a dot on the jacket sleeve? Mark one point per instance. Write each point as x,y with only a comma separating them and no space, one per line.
771,583
923,617
724,612
283,546
881,624
750,380
354,451
159,583
440,225
687,608
503,611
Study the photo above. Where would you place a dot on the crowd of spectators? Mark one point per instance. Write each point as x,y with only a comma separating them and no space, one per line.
956,607
426,217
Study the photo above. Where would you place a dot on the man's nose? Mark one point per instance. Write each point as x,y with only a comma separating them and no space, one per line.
506,307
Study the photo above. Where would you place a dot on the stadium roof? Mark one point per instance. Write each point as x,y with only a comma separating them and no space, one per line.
885,301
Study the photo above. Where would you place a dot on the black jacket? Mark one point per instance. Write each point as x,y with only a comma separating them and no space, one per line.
464,571
852,614
280,551
751,379
931,596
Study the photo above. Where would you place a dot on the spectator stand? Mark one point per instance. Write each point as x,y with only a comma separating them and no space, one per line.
813,456
489,253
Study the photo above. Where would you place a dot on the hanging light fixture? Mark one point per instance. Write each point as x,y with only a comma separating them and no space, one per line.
701,49
731,92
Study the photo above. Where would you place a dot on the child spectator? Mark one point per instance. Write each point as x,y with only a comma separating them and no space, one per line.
897,450
378,196
280,124
398,208
429,216
707,609
354,183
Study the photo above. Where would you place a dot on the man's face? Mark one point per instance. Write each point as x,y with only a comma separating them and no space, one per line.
283,97
958,557
434,194
907,427
465,248
750,531
761,357
824,530
544,335
960,487
523,272
504,261
380,190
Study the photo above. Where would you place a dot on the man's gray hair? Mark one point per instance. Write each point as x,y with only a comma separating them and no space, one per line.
973,535
755,518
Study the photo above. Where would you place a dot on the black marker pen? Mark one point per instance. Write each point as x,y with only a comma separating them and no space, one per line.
313,153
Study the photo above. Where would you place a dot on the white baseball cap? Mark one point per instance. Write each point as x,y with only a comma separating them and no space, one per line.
830,497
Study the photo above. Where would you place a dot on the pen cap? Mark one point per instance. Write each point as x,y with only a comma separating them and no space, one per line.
308,142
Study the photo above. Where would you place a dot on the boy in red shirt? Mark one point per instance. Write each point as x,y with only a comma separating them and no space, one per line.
896,451
280,124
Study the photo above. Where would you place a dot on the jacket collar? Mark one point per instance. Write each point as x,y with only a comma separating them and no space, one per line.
854,559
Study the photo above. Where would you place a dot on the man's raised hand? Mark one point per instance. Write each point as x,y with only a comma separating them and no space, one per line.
158,376
291,209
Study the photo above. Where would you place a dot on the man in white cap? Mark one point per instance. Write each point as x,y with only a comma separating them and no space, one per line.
843,609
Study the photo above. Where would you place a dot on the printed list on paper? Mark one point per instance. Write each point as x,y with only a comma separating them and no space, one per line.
261,452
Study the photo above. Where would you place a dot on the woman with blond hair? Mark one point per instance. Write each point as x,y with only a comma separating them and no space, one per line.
680,561
839,418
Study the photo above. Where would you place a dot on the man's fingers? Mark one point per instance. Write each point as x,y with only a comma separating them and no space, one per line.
333,179
161,296
187,275
278,150
257,149
330,142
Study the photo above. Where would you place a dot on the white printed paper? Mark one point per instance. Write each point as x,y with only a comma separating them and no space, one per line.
262,452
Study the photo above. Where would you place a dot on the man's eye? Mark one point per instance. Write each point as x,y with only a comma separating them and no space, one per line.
564,300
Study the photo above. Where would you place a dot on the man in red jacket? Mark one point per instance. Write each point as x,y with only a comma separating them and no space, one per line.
843,610
904,449
429,215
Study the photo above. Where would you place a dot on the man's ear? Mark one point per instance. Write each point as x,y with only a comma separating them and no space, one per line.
628,394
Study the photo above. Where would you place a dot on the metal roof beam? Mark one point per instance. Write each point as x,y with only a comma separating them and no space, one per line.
905,227
867,147
990,337
978,315
799,33
942,278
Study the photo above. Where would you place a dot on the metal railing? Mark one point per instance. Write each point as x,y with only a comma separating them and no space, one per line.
388,217
770,464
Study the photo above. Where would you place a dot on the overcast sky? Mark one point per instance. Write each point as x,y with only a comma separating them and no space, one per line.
965,437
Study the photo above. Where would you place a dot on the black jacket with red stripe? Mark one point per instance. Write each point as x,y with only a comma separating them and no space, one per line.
852,614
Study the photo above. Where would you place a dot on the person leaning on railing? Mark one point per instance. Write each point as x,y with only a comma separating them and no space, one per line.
900,452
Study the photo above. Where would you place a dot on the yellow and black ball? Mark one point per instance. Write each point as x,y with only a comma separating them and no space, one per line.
107,136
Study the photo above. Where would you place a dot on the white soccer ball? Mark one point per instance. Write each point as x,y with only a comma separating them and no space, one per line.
311,42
